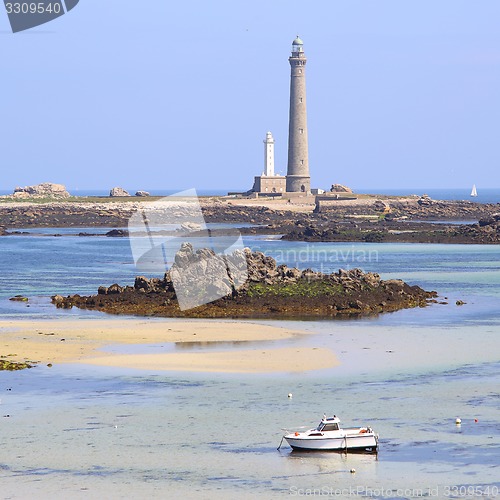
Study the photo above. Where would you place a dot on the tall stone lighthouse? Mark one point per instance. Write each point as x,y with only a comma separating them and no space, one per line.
297,178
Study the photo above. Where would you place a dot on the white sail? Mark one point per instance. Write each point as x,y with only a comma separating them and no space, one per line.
474,191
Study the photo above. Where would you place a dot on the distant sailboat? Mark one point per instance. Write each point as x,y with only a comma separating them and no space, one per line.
474,191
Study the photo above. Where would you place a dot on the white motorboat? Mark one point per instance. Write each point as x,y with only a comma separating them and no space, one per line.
330,436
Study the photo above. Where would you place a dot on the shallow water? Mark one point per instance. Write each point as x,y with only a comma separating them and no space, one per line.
150,434
80,431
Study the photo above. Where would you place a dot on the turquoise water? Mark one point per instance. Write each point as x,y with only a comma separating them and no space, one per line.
44,265
80,432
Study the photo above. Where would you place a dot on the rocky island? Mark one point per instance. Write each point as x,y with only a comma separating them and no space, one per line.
45,190
270,291
363,218
485,231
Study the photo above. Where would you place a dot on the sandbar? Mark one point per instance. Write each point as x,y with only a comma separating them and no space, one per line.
83,341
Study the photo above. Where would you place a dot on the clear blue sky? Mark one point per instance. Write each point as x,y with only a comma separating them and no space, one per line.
158,94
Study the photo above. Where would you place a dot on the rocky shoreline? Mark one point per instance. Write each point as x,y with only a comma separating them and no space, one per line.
271,291
370,219
64,214
486,231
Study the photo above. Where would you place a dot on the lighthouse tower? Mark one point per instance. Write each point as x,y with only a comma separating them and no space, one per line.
269,155
298,179
269,183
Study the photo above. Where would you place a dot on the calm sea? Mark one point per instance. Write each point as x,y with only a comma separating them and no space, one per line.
82,432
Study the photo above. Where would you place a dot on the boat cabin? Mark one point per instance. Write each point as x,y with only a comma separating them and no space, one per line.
329,424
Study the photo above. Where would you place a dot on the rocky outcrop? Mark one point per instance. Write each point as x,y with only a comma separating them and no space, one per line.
426,208
425,201
65,214
118,192
19,298
492,221
189,226
381,206
269,290
486,231
339,188
142,194
412,207
118,233
45,190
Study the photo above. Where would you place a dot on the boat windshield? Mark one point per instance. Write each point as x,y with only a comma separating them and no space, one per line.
323,426
331,427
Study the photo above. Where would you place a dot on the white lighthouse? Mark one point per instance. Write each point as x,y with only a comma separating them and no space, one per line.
269,155
269,183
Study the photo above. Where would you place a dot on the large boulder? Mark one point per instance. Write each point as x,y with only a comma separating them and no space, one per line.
155,285
381,206
118,192
425,201
115,289
142,194
261,267
339,188
188,227
118,233
202,276
44,190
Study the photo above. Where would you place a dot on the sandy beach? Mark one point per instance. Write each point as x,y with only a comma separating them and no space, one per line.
83,341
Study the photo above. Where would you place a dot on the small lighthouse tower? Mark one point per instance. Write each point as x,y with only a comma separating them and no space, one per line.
298,178
269,183
269,155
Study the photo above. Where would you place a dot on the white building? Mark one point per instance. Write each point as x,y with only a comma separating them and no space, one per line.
269,182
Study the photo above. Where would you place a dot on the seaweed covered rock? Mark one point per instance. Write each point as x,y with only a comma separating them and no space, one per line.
12,366
202,284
